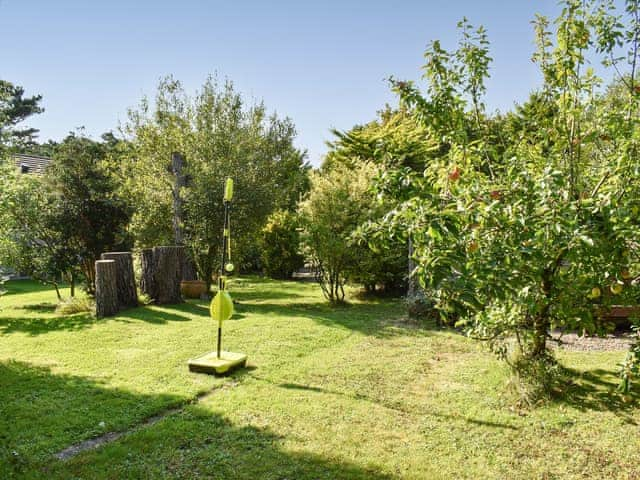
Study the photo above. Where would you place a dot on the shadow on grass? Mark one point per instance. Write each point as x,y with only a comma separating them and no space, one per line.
265,295
38,325
15,287
597,390
381,319
42,413
39,307
308,388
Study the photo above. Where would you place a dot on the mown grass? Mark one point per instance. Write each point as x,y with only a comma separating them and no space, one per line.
352,392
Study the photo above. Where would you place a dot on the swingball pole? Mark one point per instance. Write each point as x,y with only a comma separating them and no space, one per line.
220,362
226,253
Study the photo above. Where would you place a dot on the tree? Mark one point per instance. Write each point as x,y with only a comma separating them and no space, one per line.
219,136
528,242
89,214
337,204
15,108
30,239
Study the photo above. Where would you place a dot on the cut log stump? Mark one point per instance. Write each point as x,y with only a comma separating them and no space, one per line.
146,278
125,278
167,274
106,288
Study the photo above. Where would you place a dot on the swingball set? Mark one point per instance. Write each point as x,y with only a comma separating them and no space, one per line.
220,361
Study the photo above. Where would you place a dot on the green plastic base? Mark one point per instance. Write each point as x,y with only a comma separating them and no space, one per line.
210,363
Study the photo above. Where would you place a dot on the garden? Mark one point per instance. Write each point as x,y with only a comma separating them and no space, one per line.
452,293
353,392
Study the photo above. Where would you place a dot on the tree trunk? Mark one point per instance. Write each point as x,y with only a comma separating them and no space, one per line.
416,299
167,274
188,268
146,279
177,162
89,271
125,278
106,288
540,328
55,285
72,283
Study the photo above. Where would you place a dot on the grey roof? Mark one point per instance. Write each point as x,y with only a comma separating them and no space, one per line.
32,163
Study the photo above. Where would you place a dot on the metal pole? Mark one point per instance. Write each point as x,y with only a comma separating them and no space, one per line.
221,279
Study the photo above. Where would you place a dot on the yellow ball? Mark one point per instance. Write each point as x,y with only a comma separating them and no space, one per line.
229,267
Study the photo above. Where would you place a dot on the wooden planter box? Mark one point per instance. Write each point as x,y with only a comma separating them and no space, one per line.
620,315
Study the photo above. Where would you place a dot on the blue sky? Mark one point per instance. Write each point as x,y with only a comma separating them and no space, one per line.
322,63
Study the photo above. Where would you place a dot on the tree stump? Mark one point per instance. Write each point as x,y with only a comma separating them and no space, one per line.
167,274
125,278
106,288
188,268
146,279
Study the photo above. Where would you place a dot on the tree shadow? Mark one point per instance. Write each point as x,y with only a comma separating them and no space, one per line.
43,413
323,390
264,295
596,390
40,325
39,307
382,319
15,287
157,315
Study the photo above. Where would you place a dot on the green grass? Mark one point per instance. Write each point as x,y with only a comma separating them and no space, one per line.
351,392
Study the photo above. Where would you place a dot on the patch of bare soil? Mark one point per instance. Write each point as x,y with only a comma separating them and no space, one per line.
585,343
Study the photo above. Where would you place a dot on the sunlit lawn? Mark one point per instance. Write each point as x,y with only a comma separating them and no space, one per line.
353,392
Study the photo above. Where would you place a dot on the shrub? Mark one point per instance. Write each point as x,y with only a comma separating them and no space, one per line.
337,204
280,245
73,305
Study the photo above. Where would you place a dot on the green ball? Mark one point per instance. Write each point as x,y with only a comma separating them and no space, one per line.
229,267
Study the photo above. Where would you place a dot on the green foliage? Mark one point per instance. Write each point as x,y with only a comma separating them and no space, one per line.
31,241
280,245
60,222
89,213
15,108
513,235
219,136
338,202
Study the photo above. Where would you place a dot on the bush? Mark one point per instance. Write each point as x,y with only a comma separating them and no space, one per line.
280,245
336,205
73,305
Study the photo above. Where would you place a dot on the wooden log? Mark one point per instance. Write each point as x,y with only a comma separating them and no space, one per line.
146,278
188,268
106,288
167,274
125,278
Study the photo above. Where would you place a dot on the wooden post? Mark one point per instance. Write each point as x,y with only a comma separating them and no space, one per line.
146,279
167,274
125,278
106,288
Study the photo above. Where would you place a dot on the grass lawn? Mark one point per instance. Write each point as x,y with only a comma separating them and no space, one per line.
352,392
